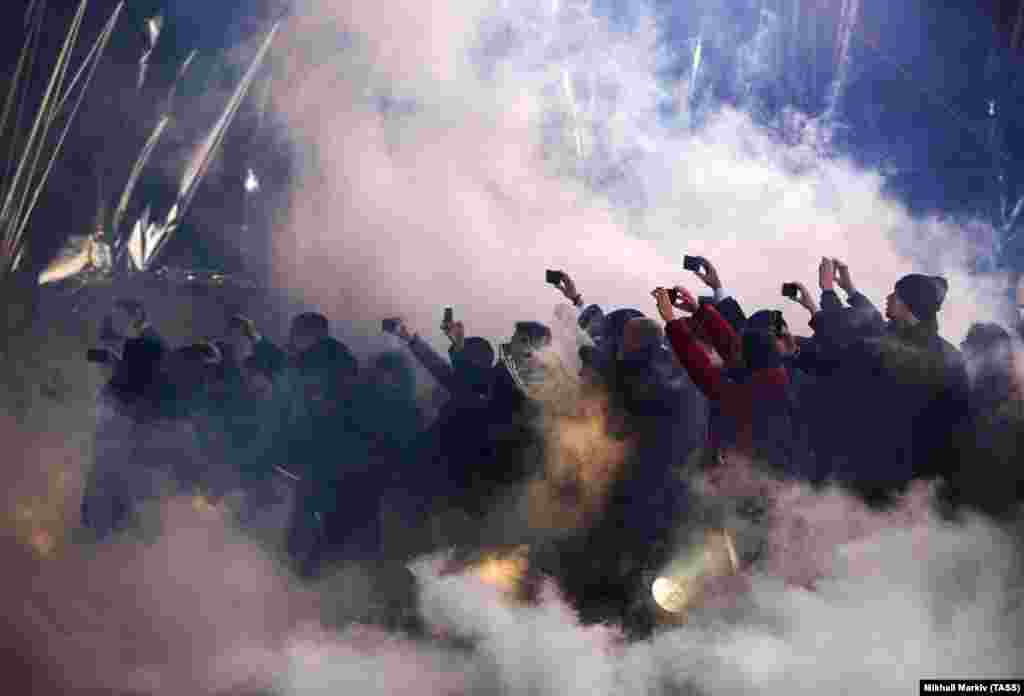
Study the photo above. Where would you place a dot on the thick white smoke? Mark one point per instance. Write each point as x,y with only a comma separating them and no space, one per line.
902,603
470,182
194,607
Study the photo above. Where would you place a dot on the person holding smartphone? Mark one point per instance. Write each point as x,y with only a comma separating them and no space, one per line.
757,406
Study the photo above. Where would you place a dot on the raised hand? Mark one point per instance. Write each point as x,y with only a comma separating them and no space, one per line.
709,276
805,299
568,288
685,300
456,333
664,303
826,274
843,278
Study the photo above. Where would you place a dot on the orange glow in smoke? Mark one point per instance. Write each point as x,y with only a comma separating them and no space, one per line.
504,570
503,573
582,464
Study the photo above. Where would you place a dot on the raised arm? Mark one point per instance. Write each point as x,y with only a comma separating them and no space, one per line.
708,378
727,305
720,333
435,364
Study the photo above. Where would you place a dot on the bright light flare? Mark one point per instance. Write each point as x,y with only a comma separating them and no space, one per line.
502,573
503,570
252,184
680,589
672,594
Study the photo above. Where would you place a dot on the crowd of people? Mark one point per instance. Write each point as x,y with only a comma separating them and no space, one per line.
320,448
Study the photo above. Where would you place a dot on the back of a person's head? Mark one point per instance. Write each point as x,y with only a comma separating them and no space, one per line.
641,334
760,350
770,320
616,321
923,295
539,334
592,321
311,324
331,356
478,351
988,350
985,337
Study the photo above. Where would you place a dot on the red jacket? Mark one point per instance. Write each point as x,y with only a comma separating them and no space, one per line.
736,399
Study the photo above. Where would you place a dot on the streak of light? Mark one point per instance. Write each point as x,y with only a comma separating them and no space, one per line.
204,156
695,71
95,55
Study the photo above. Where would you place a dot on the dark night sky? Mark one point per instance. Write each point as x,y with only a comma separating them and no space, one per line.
926,118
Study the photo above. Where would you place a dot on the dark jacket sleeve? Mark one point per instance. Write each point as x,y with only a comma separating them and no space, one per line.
830,301
437,366
862,303
720,332
732,312
734,400
708,378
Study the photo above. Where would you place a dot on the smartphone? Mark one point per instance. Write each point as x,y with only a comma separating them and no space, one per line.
693,263
449,316
389,325
790,290
553,277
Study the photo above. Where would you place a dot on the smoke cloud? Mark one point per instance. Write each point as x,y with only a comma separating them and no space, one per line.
447,155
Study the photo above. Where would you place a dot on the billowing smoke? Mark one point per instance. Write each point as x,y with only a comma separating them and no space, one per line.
448,154
189,605
440,166
903,601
